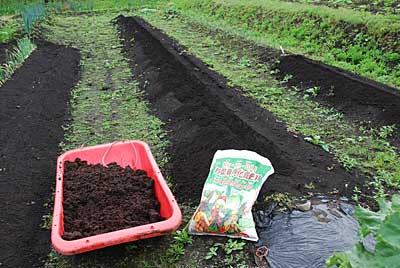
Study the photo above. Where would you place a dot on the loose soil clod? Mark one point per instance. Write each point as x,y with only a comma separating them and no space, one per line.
204,115
99,199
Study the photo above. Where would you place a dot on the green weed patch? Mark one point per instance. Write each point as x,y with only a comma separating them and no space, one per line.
16,58
359,42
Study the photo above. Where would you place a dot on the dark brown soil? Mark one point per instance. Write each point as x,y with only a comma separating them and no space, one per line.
99,199
358,98
33,107
203,115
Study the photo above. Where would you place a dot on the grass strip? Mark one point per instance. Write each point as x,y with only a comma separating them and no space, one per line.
106,105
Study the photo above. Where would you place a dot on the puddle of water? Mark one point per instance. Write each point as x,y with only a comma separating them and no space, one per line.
307,239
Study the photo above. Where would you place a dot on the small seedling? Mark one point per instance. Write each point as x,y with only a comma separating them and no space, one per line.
309,186
177,248
286,79
356,193
274,91
229,247
234,245
183,237
316,140
283,200
276,71
245,63
386,131
46,221
311,92
213,251
347,162
175,251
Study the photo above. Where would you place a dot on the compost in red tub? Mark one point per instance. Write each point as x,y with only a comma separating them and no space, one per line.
100,199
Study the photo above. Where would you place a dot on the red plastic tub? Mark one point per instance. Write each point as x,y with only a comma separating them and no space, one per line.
137,155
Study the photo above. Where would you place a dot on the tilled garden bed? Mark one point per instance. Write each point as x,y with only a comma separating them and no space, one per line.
203,115
33,108
358,98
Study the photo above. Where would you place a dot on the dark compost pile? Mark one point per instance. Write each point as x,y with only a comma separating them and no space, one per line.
100,199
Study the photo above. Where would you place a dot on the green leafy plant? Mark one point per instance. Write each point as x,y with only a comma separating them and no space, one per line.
213,251
7,33
286,78
386,131
11,7
283,200
31,15
46,221
356,193
175,251
347,162
382,227
15,58
183,237
233,245
55,7
177,248
316,140
229,247
311,92
75,6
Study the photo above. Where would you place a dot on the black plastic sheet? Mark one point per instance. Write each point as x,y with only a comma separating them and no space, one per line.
307,239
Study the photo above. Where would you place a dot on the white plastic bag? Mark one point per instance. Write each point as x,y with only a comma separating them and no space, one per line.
231,188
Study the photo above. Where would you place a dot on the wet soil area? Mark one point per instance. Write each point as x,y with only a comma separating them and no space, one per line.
33,108
203,115
358,98
100,199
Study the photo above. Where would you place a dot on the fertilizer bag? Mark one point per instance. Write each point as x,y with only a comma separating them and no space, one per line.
231,188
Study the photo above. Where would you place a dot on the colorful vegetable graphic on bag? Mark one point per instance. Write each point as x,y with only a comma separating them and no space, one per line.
230,190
